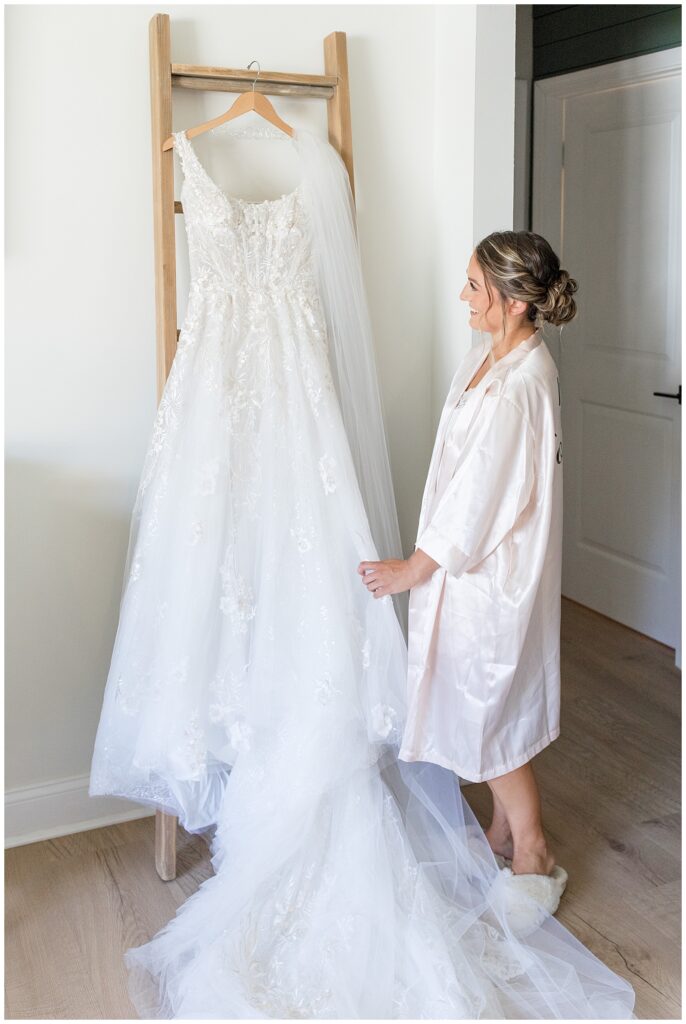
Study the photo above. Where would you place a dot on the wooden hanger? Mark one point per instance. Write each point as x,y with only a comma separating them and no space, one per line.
246,102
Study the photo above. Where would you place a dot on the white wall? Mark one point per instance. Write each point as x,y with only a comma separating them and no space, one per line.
474,88
494,119
80,337
453,211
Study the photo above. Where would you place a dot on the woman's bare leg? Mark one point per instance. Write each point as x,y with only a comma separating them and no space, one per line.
518,794
498,833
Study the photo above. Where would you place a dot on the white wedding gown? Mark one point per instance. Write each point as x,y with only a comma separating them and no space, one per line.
258,691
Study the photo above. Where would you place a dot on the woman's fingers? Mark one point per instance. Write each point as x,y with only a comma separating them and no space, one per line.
374,577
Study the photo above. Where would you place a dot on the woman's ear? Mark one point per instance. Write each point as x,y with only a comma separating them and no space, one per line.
517,307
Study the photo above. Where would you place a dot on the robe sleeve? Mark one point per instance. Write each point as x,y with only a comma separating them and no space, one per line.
491,487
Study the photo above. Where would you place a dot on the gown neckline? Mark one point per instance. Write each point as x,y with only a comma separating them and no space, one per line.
227,196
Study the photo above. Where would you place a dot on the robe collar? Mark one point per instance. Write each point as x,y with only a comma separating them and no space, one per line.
519,352
479,353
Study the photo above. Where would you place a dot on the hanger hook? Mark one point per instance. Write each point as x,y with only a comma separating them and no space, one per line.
258,72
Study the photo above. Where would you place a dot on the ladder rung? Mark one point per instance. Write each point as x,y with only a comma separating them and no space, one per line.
243,75
178,206
276,83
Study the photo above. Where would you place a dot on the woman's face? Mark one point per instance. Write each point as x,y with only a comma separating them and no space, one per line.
481,318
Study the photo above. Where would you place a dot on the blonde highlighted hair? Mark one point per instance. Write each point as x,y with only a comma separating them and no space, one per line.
522,265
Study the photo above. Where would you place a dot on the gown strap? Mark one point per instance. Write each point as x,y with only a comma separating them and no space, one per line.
185,152
192,168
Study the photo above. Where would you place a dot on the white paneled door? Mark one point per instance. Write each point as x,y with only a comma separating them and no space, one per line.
606,194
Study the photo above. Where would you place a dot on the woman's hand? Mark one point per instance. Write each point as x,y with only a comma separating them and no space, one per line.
394,575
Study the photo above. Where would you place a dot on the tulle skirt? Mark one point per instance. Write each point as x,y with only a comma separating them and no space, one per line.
361,892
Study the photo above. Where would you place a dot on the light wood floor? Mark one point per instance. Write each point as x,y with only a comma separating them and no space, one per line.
611,796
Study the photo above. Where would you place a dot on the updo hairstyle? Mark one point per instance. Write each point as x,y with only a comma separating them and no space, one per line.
522,265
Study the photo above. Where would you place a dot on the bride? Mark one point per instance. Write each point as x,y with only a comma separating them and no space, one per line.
259,692
486,573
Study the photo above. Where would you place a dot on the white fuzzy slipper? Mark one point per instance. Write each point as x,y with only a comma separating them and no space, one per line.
529,898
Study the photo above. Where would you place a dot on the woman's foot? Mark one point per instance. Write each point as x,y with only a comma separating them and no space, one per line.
500,842
533,859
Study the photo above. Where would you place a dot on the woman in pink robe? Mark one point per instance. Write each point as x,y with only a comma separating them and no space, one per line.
485,576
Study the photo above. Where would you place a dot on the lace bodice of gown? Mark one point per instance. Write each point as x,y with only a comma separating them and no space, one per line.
262,249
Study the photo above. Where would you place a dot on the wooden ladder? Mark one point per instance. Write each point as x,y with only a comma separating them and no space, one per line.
333,86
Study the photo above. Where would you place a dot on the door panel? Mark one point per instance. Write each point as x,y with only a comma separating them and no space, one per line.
615,216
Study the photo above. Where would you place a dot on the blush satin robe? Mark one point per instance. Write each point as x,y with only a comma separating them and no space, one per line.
484,629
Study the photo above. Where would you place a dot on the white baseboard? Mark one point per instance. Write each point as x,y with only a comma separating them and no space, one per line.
34,813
